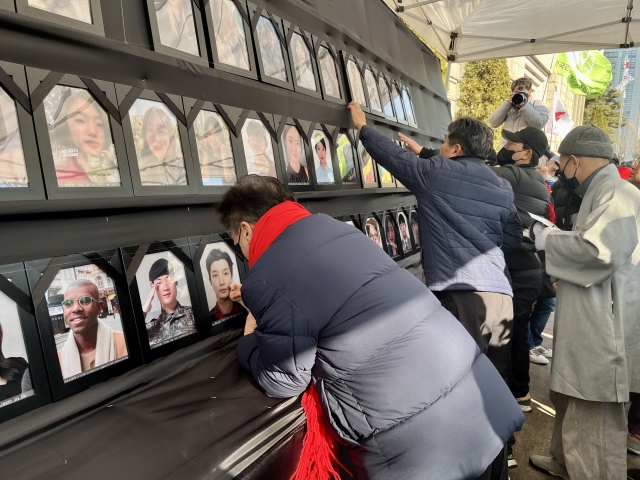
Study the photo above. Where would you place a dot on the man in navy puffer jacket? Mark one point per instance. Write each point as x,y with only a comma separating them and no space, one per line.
400,381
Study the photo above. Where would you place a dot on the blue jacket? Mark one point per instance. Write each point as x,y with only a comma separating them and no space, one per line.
400,380
467,216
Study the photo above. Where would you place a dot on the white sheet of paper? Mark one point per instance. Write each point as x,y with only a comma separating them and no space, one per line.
540,219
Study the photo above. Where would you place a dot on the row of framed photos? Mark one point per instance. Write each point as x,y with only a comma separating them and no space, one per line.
225,32
64,136
70,322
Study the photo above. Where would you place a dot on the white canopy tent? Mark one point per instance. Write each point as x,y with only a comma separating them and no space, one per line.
467,30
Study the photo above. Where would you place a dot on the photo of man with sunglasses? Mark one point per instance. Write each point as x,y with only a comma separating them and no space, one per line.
91,343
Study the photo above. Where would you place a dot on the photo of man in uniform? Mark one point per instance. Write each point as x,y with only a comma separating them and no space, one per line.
415,226
172,320
220,273
92,343
404,233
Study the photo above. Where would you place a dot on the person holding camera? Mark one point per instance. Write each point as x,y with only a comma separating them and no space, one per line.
518,111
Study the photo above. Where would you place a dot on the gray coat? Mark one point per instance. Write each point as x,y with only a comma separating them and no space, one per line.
597,328
533,114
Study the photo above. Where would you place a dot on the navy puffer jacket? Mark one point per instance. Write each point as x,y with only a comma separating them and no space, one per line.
401,381
467,216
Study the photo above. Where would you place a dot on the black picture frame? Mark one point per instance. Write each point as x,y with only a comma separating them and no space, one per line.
13,284
255,13
377,216
96,27
364,177
132,258
291,30
387,82
41,85
345,138
230,117
401,116
127,97
41,275
355,219
391,214
305,130
416,241
346,59
212,42
406,212
333,53
158,46
273,130
412,121
198,245
13,82
329,133
381,177
366,69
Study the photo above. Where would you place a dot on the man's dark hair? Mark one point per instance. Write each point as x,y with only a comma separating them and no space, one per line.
523,82
401,219
250,198
474,137
492,158
214,256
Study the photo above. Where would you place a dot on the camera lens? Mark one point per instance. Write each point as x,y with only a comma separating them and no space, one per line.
517,99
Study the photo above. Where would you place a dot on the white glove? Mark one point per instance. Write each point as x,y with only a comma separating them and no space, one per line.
541,235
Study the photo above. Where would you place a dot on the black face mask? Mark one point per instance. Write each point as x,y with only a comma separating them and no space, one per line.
570,183
505,157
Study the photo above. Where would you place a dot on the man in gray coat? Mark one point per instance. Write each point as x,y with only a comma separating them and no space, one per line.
516,116
596,361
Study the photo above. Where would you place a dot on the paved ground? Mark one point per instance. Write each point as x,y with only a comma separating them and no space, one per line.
536,433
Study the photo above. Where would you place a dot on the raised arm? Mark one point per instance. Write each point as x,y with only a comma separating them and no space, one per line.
499,115
535,116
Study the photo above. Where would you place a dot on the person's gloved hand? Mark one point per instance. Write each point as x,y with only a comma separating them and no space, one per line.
539,233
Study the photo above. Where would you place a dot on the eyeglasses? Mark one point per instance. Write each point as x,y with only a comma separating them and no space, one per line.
82,301
508,144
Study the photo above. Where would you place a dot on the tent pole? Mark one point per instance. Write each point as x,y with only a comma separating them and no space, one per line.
446,82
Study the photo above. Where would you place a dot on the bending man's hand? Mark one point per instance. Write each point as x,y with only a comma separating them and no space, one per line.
236,294
410,144
250,325
357,115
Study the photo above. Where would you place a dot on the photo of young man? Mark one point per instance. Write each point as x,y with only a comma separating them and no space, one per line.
294,156
258,149
415,227
221,272
404,233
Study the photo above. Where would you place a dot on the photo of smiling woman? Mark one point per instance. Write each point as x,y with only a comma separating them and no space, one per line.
294,156
214,149
80,138
390,230
219,272
158,147
322,158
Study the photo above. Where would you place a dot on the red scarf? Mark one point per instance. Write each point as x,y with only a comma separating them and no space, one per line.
319,455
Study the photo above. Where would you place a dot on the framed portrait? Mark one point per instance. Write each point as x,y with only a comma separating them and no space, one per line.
214,146
217,268
157,142
258,143
368,168
392,236
355,79
271,48
20,174
330,74
414,222
347,160
408,106
176,29
296,165
384,87
85,15
372,229
405,230
324,159
304,66
23,376
229,34
164,295
86,326
80,136
396,98
386,179
373,95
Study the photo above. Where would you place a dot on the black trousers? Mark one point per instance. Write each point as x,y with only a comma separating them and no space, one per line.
527,285
498,470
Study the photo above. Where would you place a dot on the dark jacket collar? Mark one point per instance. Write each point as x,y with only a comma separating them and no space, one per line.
467,157
584,186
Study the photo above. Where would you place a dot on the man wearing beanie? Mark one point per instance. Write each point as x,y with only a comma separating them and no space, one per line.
596,361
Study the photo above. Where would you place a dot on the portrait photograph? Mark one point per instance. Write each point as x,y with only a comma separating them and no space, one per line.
85,317
228,27
164,295
346,160
74,9
302,65
157,143
397,103
215,153
329,72
415,227
271,52
408,106
176,25
322,158
372,229
355,81
81,139
294,156
385,97
372,90
13,171
392,236
367,166
405,236
219,269
15,377
385,175
258,149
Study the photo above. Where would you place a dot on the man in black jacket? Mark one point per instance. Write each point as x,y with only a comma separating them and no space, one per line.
518,160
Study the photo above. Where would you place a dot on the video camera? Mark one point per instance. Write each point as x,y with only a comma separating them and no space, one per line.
519,97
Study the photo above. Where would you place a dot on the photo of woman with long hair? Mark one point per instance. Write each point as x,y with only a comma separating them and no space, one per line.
158,146
322,158
231,42
214,149
390,230
13,172
14,371
80,138
176,25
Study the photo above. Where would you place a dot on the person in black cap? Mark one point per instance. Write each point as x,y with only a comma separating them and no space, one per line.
172,320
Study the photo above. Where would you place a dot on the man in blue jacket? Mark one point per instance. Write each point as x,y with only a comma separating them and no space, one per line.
399,380
467,222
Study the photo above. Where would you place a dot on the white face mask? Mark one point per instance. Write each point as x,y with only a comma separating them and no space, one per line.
550,179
